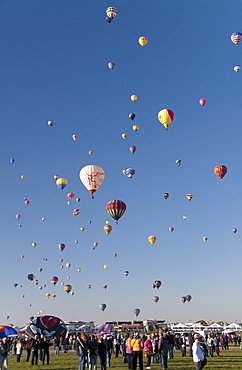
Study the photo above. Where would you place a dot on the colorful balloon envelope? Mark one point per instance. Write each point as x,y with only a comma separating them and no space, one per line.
90,152
40,269
105,286
205,238
236,37
82,228
202,102
111,65
132,149
135,127
89,286
166,116
67,288
130,172
237,68
134,97
152,239
184,217
18,217
30,277
74,137
111,12
34,245
143,40
178,162
234,231
183,299
136,311
47,295
70,195
188,297
78,200
116,209
126,273
54,280
92,177
53,296
12,160
108,229
56,177
68,265
171,229
157,284
124,136
166,195
76,212
189,196
50,123
61,183
61,246
26,202
132,116
115,254
103,306
220,171
105,267
95,244
156,298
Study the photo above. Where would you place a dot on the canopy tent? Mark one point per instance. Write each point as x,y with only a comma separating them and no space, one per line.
215,326
180,326
197,326
233,326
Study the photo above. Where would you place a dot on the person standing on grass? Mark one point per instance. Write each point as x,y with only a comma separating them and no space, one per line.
4,349
198,355
137,346
81,349
129,351
148,349
102,353
45,351
163,347
35,349
19,349
28,347
56,344
92,349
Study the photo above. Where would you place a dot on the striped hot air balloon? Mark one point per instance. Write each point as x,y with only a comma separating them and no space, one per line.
166,116
220,171
67,288
116,209
236,37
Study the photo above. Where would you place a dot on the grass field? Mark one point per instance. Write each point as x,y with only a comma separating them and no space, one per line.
231,359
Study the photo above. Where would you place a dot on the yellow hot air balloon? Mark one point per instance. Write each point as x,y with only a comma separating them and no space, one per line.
134,97
135,127
143,41
166,116
105,266
152,239
124,136
47,295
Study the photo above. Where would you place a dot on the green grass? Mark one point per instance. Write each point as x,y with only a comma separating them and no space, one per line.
231,359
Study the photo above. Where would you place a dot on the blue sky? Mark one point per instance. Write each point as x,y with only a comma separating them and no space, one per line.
54,57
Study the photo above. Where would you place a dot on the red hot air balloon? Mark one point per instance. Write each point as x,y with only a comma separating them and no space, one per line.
220,171
156,298
202,102
116,209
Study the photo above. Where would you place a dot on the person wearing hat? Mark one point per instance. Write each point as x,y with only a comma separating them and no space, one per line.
197,352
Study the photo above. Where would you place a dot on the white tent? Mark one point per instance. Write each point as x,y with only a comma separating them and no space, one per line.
198,326
233,326
180,326
215,326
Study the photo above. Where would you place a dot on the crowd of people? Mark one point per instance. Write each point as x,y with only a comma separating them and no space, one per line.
137,350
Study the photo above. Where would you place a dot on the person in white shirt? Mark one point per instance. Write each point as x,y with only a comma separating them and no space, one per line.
197,352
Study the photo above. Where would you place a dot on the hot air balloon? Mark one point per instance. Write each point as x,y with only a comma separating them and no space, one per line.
67,288
134,97
166,195
108,229
12,160
105,286
54,280
220,171
47,295
74,137
152,239
237,68
61,183
42,219
68,265
76,241
205,238
53,295
132,116
26,202
89,286
188,297
76,212
105,267
46,325
30,277
61,246
143,41
103,306
178,162
116,209
22,177
40,269
202,102
183,299
90,152
130,172
132,149
95,244
124,136
56,177
171,229
236,37
22,256
44,259
135,127
136,311
34,245
156,298
115,254
82,228
79,270
69,203
166,116
15,285
18,217
111,65
50,123
92,177
111,12
157,284
189,196
234,231
184,217
70,195
126,273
